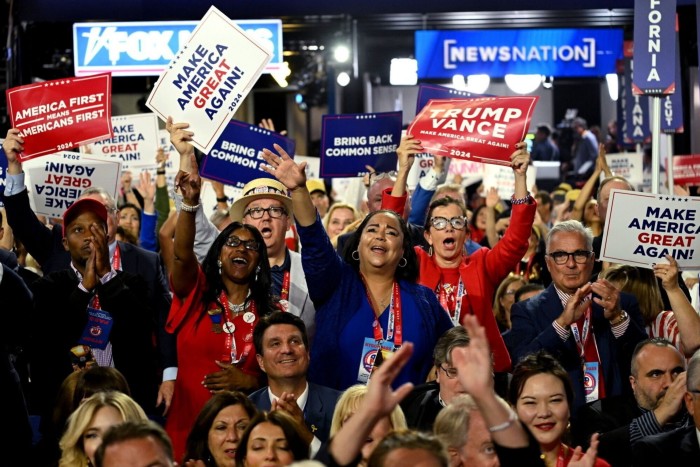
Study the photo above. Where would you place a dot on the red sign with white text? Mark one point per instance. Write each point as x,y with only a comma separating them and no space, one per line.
483,129
686,170
61,114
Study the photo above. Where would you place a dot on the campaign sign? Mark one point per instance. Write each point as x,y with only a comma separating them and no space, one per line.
469,171
236,157
636,128
654,47
503,179
57,180
61,114
672,104
686,170
642,228
313,166
628,165
426,92
134,144
349,142
483,129
209,78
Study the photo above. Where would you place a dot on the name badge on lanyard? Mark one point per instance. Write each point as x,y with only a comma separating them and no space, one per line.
97,330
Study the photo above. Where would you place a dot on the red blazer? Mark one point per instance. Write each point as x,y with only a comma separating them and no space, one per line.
482,271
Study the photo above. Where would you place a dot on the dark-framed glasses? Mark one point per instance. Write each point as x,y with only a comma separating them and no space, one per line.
440,223
451,373
562,257
234,241
274,211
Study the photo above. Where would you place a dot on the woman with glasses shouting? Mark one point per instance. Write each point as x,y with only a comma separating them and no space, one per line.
465,284
215,307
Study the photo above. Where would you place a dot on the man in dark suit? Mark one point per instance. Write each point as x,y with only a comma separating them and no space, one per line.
46,246
658,381
282,348
591,328
679,447
423,404
103,316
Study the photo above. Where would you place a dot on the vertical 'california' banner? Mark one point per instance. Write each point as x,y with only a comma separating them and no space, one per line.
654,46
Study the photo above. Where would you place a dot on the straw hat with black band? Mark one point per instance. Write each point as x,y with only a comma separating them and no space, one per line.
257,189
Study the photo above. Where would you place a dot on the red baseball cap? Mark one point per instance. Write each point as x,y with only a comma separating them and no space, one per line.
84,205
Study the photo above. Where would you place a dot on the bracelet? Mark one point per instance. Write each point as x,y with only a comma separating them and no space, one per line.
620,319
188,208
512,418
160,172
222,199
525,200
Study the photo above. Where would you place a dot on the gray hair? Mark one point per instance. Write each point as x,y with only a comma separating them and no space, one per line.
452,423
571,226
693,374
96,190
454,337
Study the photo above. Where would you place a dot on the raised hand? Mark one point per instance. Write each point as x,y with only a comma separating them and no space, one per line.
283,168
575,307
609,297
189,183
520,159
473,362
100,246
268,124
668,273
407,150
180,136
13,146
492,197
579,459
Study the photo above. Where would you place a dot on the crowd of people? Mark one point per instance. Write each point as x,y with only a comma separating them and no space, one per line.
423,327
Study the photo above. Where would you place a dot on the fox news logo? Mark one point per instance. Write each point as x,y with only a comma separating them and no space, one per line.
146,48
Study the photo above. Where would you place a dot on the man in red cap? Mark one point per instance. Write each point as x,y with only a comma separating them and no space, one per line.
90,305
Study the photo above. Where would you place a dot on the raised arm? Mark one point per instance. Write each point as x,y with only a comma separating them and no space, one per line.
293,176
406,152
379,402
184,272
587,190
686,317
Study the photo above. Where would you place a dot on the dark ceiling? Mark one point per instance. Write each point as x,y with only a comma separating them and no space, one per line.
143,10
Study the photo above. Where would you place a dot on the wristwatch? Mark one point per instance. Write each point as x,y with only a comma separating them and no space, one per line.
621,318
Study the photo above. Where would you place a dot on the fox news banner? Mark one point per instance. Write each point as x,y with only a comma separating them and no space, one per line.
484,129
349,142
236,156
642,228
209,78
134,144
61,114
56,181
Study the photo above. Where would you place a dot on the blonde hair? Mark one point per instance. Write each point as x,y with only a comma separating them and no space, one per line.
71,444
639,282
350,401
498,311
452,423
334,206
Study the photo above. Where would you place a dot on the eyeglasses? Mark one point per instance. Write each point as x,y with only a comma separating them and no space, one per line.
451,373
440,223
234,241
694,391
562,257
274,211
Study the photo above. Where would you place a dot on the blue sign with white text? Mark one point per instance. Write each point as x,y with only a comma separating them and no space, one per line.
637,129
672,104
654,46
551,52
236,157
350,142
146,48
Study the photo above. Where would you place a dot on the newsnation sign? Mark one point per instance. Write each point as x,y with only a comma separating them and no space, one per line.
146,48
551,52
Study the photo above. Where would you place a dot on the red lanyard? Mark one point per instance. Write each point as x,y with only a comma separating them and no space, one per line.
394,327
117,266
230,327
562,457
284,293
454,314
